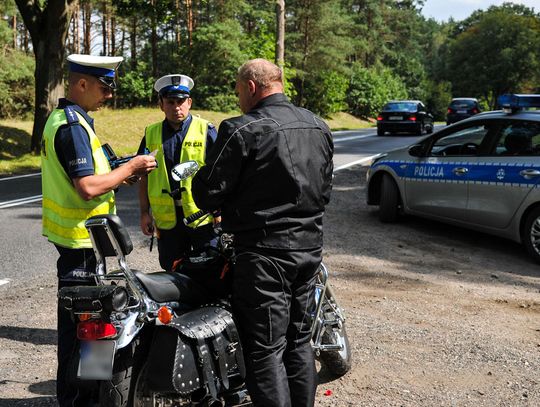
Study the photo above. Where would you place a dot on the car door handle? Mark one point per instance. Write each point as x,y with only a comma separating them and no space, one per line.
529,173
460,170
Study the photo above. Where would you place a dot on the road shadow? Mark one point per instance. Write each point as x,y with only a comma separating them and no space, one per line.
36,336
30,402
353,228
13,142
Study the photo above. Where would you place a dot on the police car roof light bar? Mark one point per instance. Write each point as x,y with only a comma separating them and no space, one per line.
512,102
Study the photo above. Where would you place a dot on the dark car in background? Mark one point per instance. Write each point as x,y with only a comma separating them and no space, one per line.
461,108
404,116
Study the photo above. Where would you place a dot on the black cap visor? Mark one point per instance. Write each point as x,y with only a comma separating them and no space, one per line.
174,94
106,80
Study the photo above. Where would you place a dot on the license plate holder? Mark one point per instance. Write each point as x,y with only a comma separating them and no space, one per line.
96,360
462,111
395,118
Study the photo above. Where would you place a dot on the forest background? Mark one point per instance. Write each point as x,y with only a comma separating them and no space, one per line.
338,55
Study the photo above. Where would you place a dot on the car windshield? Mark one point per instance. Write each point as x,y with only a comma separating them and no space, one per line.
400,107
462,104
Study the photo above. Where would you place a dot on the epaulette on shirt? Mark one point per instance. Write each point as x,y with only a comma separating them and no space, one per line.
71,116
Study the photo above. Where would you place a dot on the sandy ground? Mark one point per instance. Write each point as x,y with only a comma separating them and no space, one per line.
436,315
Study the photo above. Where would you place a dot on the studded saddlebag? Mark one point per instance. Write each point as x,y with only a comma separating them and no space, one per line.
197,352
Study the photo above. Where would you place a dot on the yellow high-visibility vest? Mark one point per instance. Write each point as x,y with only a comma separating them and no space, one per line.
64,211
193,148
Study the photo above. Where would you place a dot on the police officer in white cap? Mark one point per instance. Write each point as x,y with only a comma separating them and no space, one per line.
165,202
77,183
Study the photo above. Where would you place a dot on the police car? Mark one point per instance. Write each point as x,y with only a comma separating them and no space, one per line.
481,173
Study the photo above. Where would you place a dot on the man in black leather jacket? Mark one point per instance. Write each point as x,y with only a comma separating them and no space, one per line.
270,174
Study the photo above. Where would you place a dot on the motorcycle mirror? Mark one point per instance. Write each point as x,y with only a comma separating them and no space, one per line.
184,170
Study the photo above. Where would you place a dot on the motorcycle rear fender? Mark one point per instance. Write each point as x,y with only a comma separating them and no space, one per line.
128,329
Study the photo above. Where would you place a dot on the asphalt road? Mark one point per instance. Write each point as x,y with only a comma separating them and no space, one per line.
25,253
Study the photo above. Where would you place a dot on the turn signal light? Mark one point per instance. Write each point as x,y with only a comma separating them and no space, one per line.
95,329
84,317
165,315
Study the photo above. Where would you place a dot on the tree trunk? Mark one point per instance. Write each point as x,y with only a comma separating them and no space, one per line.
189,21
104,30
76,38
113,34
154,40
177,34
87,27
14,31
280,35
133,42
48,29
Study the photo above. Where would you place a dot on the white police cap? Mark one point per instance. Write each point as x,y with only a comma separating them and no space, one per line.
174,86
103,68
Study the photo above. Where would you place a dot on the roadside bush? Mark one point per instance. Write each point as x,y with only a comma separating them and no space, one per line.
327,93
16,84
135,88
439,95
370,89
221,103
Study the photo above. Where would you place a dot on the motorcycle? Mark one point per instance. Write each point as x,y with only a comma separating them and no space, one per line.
150,343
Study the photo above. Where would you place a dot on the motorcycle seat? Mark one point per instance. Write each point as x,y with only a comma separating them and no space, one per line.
170,286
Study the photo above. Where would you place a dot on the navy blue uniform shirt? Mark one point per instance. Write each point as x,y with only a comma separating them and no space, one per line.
172,144
72,144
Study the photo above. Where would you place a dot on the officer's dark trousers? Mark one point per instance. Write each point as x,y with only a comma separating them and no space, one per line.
72,266
174,243
273,294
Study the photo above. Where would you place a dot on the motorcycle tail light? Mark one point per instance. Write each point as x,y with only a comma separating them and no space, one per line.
95,329
165,315
84,317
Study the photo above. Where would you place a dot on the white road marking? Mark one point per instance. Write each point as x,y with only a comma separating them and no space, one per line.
338,140
20,201
357,162
5,281
20,176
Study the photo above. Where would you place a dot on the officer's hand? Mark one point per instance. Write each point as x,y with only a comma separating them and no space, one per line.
142,164
132,180
147,224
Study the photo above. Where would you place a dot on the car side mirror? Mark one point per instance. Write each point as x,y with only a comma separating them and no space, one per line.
417,150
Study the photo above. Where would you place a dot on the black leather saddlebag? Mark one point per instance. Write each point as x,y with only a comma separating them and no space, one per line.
105,298
197,353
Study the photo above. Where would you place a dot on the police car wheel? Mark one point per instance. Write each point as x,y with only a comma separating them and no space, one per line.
389,200
531,234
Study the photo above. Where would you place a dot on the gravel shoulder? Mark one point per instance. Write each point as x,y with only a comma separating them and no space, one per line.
436,315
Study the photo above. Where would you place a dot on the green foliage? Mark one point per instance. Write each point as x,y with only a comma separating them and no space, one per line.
221,103
217,54
136,87
439,95
370,89
498,53
317,43
16,78
327,92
